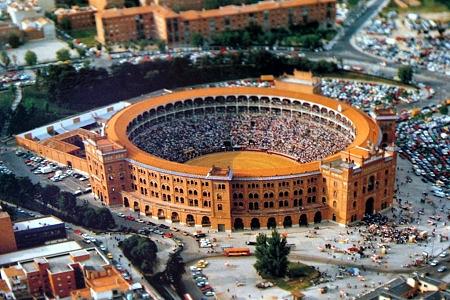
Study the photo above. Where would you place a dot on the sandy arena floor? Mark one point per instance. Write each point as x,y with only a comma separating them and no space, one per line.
242,160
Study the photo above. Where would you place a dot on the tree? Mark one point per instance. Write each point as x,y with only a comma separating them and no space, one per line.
5,58
30,58
50,194
71,45
271,255
405,73
161,46
63,54
175,268
443,110
81,52
197,39
14,40
105,218
65,24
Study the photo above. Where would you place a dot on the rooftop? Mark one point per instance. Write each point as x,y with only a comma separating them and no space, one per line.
42,251
75,10
246,9
36,223
61,262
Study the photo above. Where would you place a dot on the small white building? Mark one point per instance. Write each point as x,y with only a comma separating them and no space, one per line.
43,25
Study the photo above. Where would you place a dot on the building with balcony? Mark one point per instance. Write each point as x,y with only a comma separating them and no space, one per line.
160,22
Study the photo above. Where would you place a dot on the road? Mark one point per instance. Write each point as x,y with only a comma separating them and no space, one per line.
346,51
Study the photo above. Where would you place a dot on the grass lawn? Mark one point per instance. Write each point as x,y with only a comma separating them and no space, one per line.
308,274
38,99
85,36
366,77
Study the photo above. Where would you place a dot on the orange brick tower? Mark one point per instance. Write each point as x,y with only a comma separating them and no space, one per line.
8,241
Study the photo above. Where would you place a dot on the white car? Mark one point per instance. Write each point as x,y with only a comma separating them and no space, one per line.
442,269
443,254
434,262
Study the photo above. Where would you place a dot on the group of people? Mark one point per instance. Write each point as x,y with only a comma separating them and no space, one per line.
183,139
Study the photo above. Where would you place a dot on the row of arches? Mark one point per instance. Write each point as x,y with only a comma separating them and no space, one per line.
174,216
239,100
255,223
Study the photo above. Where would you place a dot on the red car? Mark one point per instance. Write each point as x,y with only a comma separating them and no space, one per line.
129,218
168,235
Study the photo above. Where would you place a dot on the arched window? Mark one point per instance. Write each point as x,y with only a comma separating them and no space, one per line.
219,206
334,204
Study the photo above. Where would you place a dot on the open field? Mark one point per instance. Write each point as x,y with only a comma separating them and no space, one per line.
85,36
242,159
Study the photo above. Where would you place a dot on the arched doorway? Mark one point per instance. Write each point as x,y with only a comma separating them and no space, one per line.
254,224
369,206
136,206
287,222
126,203
148,212
161,214
238,224
271,223
205,221
175,217
318,217
190,221
303,220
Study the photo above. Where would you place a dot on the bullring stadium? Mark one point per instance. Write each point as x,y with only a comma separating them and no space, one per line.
235,158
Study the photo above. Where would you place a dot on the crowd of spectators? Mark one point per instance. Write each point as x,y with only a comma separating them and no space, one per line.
408,39
183,139
366,95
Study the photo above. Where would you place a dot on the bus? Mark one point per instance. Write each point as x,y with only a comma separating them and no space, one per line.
236,252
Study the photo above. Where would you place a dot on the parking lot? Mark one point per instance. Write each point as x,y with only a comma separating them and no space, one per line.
40,170
367,95
408,39
426,143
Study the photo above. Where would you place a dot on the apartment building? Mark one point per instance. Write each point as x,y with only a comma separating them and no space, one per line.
135,23
79,17
59,275
101,5
177,5
155,21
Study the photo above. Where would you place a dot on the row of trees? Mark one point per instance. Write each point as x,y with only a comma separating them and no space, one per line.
50,199
87,88
31,58
307,36
141,252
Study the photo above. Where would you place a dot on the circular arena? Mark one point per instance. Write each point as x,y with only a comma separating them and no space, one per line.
235,158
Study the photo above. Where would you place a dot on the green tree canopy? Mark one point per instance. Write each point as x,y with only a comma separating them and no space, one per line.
14,40
271,255
6,61
30,58
405,73
141,252
197,39
63,54
65,24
